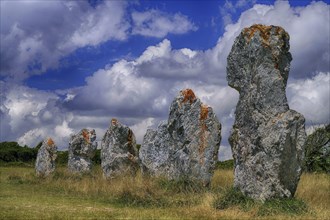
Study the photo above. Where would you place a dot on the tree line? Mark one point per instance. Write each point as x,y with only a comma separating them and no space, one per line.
11,153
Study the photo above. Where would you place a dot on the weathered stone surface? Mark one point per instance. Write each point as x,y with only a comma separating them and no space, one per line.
45,163
119,155
82,148
267,138
187,145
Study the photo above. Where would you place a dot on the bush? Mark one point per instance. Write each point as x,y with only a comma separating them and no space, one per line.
62,158
97,157
317,151
13,152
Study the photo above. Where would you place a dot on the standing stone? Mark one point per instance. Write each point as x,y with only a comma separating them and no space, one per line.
187,145
82,148
119,155
267,138
45,163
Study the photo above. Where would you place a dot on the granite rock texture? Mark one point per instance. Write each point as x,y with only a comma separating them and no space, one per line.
119,154
82,147
267,138
45,163
186,146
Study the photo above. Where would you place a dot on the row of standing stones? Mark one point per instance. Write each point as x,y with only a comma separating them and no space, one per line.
184,147
267,138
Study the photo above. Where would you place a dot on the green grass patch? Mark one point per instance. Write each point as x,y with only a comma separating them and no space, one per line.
225,165
183,185
285,206
139,199
90,196
290,206
233,197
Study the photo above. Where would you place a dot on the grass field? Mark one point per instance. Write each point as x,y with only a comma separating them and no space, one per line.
65,196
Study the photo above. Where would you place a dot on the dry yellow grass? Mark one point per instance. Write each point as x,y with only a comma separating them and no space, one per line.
66,196
314,189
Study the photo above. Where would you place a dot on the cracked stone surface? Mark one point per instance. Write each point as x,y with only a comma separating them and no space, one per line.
186,146
45,163
267,138
82,147
119,154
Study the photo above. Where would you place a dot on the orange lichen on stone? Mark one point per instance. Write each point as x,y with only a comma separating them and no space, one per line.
279,31
188,95
130,136
131,157
114,122
86,135
203,139
264,32
204,112
50,142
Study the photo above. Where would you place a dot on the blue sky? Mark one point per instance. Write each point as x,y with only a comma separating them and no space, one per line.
66,65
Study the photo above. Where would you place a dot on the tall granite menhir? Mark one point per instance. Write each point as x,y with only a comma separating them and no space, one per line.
187,145
45,163
82,148
119,155
267,138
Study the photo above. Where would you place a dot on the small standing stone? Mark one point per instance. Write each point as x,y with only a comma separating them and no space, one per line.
82,148
187,145
267,138
119,155
45,163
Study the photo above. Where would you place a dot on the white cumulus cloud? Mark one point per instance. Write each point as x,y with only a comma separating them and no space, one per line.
36,35
155,23
311,97
139,91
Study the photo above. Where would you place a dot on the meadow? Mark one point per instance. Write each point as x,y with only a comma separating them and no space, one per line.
89,196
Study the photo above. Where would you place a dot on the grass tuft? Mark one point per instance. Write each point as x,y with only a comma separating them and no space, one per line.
140,199
14,179
183,185
286,206
233,197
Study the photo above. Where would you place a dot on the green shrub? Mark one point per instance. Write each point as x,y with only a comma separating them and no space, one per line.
12,152
97,157
138,146
317,151
62,158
